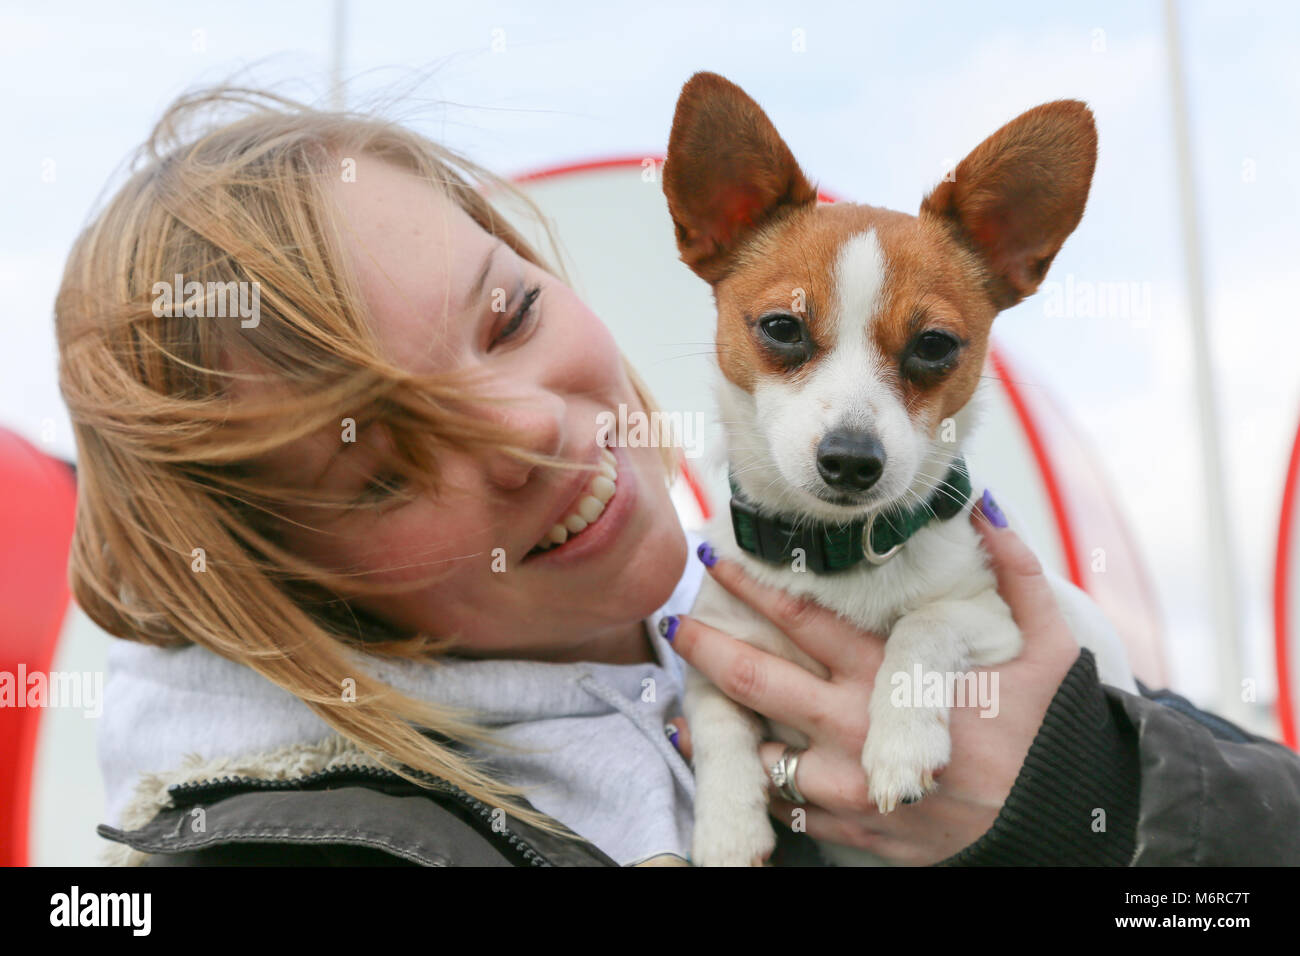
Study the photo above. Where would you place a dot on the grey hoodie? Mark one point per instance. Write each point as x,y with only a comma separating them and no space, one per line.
600,762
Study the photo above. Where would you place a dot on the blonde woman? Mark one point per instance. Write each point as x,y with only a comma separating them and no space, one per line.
386,599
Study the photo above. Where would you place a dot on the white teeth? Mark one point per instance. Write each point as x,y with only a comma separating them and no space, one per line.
589,507
602,488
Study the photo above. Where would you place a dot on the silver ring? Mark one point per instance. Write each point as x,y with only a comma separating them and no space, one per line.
783,772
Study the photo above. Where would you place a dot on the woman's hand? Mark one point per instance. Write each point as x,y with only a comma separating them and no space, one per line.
987,752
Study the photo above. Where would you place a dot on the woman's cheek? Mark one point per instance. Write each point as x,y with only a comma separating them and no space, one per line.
445,571
595,342
421,544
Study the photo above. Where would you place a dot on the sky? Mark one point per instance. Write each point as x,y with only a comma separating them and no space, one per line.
880,100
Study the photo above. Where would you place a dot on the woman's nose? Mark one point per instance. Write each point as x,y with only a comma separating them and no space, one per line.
539,424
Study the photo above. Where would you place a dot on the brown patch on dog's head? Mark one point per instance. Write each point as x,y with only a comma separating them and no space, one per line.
932,283
934,286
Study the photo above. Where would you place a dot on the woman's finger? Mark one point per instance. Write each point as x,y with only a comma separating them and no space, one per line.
834,785
679,735
769,685
1021,581
823,635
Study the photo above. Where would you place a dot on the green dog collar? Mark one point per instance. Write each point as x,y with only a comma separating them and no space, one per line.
828,548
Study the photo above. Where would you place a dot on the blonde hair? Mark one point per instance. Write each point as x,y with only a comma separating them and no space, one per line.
167,453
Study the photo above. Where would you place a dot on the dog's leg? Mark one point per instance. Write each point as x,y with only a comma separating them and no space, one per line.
908,740
731,824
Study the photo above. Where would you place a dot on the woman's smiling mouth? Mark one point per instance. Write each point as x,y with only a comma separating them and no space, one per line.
589,507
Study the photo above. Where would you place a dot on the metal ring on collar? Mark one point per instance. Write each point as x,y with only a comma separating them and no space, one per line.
870,553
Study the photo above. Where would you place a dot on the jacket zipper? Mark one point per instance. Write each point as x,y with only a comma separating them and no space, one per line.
513,841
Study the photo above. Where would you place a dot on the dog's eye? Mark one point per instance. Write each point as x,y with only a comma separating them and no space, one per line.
934,347
783,329
932,354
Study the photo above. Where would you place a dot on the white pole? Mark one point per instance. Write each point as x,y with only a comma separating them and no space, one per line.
336,54
1222,567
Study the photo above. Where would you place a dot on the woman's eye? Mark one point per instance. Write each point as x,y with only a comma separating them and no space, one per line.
382,486
520,316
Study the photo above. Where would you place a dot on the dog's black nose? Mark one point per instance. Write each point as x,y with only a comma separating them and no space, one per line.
850,460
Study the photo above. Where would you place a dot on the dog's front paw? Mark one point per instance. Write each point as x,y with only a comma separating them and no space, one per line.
902,754
735,835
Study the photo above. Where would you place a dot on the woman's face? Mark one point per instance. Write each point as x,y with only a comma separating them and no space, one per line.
431,278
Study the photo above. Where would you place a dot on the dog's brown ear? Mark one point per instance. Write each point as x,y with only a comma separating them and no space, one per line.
1020,193
727,171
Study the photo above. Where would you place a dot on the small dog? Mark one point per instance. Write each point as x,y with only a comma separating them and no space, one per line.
848,336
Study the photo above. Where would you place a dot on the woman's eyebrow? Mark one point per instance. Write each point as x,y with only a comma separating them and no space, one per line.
476,290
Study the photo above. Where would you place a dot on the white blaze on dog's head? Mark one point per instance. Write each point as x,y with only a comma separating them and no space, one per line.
846,333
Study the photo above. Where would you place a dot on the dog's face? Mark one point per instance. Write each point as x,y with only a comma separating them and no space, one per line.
848,334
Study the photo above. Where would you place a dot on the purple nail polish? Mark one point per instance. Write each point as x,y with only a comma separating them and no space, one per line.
673,733
705,553
990,509
668,627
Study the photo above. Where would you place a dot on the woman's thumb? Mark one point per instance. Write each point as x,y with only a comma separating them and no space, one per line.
1021,581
